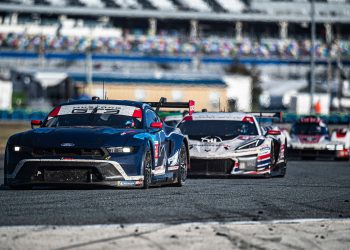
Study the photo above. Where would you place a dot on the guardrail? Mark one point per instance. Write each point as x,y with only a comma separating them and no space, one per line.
75,56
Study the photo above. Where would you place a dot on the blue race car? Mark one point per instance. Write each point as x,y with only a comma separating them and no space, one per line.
99,142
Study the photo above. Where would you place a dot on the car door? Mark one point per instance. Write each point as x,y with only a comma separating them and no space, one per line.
160,146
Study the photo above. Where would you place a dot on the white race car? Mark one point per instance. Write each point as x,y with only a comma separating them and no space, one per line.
309,138
342,135
232,144
173,120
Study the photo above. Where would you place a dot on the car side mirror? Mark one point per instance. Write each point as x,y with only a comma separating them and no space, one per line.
34,123
273,132
158,125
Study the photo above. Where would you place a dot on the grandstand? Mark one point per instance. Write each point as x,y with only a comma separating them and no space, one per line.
188,36
258,10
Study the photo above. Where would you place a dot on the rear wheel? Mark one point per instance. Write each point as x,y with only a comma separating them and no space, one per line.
182,170
147,169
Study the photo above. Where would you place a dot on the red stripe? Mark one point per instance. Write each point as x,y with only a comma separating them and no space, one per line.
264,157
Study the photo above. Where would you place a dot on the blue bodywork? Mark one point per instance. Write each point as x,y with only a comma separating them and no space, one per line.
45,149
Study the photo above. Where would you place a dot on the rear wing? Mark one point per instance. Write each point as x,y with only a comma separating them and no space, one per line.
164,104
274,116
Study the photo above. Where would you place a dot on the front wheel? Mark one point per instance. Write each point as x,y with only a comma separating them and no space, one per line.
147,169
182,170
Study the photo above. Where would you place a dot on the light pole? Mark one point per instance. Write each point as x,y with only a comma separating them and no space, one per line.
312,61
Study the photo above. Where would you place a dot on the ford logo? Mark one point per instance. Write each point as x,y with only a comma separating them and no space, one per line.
67,144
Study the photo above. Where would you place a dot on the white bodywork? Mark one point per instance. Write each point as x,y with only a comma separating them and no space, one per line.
319,143
254,160
341,135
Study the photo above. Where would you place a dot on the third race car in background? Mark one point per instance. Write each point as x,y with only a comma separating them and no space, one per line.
309,138
233,144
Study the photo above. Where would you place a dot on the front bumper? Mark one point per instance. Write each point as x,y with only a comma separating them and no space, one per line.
71,171
318,153
250,165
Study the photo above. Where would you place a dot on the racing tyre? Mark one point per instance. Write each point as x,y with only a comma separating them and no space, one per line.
272,160
147,169
283,172
182,170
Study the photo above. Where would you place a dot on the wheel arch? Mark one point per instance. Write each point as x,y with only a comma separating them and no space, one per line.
185,141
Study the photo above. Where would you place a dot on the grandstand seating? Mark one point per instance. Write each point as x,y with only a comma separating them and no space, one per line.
272,7
165,5
231,5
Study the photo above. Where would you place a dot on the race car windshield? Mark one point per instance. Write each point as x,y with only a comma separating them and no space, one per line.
226,130
309,129
94,120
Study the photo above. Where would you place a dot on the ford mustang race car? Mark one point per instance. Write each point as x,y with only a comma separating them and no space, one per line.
232,144
103,142
309,138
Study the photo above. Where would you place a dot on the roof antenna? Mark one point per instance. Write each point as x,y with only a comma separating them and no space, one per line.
160,103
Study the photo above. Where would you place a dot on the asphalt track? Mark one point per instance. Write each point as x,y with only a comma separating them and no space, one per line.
311,189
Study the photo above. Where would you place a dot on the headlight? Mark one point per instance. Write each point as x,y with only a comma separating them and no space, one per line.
114,150
339,147
330,147
247,163
252,144
17,148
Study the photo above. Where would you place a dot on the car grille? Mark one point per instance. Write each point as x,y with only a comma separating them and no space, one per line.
311,153
67,152
211,167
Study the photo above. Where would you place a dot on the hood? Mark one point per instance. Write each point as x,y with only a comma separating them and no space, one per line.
215,145
81,137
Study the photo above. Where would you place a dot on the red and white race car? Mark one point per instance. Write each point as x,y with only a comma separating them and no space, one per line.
233,144
309,138
341,135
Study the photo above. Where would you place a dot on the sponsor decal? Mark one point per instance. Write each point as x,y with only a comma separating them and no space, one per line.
67,144
173,168
126,183
265,148
156,149
245,137
173,159
159,170
96,108
211,139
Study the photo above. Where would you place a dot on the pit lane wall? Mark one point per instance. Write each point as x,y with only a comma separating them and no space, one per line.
288,234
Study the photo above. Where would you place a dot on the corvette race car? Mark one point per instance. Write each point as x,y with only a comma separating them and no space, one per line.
232,144
309,138
99,142
172,120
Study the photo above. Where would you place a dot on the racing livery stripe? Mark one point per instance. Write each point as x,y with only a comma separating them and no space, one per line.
258,172
264,161
263,165
264,157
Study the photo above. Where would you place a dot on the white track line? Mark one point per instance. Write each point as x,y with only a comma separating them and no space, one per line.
267,222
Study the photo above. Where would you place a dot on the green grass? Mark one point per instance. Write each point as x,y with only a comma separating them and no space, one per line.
9,128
